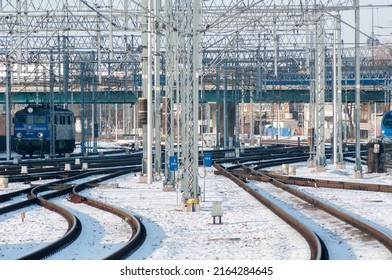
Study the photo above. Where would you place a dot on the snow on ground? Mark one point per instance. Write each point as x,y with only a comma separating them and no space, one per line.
39,228
249,231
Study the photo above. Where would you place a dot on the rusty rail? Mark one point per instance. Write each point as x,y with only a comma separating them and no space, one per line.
138,229
73,231
74,225
316,249
342,215
310,182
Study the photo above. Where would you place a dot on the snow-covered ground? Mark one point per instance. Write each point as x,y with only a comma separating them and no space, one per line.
249,231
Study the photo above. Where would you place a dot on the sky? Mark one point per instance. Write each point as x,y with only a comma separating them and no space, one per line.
376,18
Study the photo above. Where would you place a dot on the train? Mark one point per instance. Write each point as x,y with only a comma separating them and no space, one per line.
386,127
32,128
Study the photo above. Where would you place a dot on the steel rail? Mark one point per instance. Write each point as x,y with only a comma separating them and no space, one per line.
74,225
30,192
138,230
73,231
321,183
316,248
345,216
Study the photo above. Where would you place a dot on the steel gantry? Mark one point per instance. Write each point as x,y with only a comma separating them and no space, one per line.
171,37
337,97
187,22
320,159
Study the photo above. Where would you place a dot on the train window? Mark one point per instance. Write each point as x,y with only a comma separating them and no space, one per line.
56,121
20,119
30,119
40,119
68,119
387,121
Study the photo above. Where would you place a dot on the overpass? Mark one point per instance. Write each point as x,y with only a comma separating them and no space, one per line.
273,91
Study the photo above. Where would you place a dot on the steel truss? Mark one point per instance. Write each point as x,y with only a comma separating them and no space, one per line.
245,46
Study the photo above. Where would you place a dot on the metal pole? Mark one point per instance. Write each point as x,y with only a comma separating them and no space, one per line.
52,118
320,159
169,93
65,70
340,162
8,108
217,81
94,115
157,89
258,80
149,98
82,111
278,122
357,167
134,90
111,30
310,61
116,120
196,69
251,117
19,40
242,116
225,129
335,99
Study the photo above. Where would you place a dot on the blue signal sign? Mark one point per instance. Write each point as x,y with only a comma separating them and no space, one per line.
207,159
173,161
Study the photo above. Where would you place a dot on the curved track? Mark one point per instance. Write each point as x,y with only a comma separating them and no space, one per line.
317,252
75,227
257,158
281,182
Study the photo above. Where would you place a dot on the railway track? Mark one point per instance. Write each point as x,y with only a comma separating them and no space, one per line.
258,158
317,250
44,195
368,230
319,183
33,169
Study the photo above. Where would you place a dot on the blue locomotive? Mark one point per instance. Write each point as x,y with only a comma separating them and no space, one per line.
32,130
386,126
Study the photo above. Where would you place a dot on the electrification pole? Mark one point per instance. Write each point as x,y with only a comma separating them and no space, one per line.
52,118
320,159
189,66
8,107
358,166
337,126
157,86
171,59
146,120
